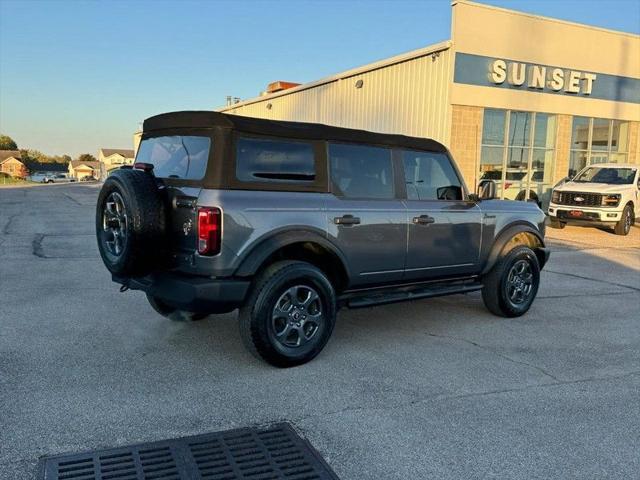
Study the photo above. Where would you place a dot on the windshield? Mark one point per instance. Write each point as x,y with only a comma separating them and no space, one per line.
610,175
176,156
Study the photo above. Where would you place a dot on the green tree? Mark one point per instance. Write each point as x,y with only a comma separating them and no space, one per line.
87,157
34,156
7,143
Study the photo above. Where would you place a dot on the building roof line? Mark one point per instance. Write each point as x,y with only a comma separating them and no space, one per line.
403,57
550,19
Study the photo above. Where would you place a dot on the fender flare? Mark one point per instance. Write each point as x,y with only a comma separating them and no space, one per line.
506,234
263,249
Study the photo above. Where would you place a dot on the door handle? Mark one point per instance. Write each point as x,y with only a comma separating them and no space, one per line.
423,220
346,220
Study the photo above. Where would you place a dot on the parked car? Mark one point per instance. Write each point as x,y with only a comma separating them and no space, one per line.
59,178
290,221
40,177
88,178
599,195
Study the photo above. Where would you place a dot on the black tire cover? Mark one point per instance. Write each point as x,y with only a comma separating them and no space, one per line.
141,211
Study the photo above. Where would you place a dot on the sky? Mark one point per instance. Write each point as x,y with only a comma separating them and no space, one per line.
79,75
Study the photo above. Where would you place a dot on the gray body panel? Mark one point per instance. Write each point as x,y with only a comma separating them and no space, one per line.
386,247
448,246
376,247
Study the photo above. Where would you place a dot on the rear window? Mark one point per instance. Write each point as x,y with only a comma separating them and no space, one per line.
270,160
176,156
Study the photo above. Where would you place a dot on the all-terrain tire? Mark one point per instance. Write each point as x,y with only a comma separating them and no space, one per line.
557,224
623,226
172,313
499,287
258,327
142,241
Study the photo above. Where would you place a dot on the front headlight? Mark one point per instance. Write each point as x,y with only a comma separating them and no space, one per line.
555,196
611,200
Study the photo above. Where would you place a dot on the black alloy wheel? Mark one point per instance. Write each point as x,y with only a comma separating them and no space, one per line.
297,316
114,224
289,315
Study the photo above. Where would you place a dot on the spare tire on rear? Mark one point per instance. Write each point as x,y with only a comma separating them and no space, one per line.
131,223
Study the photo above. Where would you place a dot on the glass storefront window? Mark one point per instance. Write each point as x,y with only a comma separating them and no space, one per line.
580,133
597,140
545,134
619,136
519,129
600,135
521,165
577,161
518,158
493,127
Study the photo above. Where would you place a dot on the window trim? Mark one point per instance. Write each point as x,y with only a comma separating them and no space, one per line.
320,184
465,193
394,171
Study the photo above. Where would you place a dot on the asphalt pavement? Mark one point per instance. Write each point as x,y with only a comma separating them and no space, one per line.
437,388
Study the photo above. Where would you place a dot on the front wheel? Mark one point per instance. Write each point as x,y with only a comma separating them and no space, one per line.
512,284
289,315
555,223
623,227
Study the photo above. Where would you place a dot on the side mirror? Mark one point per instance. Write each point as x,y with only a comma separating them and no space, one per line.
451,192
486,190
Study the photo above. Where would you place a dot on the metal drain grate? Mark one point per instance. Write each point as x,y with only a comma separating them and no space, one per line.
273,453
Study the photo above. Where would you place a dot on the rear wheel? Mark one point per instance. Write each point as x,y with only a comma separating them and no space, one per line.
289,314
512,284
173,313
623,227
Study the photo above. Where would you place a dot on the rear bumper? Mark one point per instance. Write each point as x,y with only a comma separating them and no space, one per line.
191,293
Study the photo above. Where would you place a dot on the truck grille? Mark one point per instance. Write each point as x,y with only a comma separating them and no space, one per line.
580,199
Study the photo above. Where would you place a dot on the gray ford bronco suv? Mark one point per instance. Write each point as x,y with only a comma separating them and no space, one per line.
291,221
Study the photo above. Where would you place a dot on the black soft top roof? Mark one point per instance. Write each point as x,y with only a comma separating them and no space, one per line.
280,128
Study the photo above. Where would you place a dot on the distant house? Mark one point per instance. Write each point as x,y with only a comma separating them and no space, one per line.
112,158
11,163
79,169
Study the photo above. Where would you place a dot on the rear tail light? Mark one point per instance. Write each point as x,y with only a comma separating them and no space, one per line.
507,185
209,231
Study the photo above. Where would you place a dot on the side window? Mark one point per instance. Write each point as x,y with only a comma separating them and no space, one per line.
274,161
361,171
430,176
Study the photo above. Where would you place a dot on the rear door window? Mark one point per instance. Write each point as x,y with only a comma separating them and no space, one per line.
275,161
361,171
177,156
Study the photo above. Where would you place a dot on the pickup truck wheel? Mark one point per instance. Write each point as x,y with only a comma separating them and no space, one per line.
555,223
173,313
512,284
623,227
289,314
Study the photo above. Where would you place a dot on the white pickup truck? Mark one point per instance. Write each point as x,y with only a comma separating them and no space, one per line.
605,194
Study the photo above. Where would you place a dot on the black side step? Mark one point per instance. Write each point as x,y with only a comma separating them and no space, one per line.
367,299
